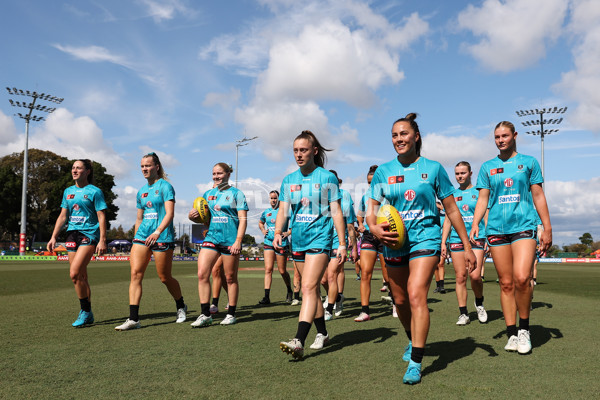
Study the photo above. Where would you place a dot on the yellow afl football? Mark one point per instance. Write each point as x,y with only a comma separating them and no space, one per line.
390,214
201,205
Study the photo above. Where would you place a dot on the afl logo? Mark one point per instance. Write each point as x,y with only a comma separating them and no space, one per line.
409,195
76,207
305,201
465,207
508,182
149,204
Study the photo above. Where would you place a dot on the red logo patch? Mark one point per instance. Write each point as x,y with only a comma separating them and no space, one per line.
149,204
295,188
144,195
465,207
76,207
458,198
409,195
395,179
305,201
496,171
212,198
70,196
508,182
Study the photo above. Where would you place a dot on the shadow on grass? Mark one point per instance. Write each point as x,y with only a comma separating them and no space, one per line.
146,319
449,352
540,304
493,315
352,338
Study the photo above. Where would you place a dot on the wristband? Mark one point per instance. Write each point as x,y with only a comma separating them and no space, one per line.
156,232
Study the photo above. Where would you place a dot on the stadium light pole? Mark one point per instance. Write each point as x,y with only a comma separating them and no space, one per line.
239,143
541,122
29,117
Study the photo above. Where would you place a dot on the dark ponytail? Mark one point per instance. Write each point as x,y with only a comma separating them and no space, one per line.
320,157
410,118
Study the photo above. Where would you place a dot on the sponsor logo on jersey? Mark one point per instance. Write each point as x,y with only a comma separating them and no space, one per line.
511,198
456,246
70,196
76,207
395,179
496,171
269,214
508,182
459,198
151,215
465,207
273,221
85,240
467,218
77,219
144,195
295,188
70,245
220,220
208,244
217,207
409,195
148,204
305,201
210,198
411,215
424,176
305,217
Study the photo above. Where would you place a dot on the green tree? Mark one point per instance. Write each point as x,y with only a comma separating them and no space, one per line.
10,211
248,239
116,233
48,176
586,239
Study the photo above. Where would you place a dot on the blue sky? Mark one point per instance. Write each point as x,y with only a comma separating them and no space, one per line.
187,79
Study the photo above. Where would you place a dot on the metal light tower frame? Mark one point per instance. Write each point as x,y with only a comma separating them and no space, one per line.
29,117
541,122
239,143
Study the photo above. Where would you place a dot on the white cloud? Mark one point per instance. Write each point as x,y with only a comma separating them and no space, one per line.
582,84
167,160
8,132
166,9
224,100
513,34
448,150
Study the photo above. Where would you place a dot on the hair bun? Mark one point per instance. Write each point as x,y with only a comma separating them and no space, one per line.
411,116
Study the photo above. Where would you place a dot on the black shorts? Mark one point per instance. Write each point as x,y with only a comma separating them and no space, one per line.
371,243
300,256
281,252
76,239
402,261
160,247
478,245
503,240
219,248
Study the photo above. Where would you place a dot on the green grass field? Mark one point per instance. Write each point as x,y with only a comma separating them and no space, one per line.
43,357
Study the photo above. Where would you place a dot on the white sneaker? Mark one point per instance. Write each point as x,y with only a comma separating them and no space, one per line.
512,344
463,319
296,302
320,341
181,314
326,302
328,316
129,324
339,306
394,311
293,347
213,309
524,342
229,320
387,299
481,314
202,320
362,317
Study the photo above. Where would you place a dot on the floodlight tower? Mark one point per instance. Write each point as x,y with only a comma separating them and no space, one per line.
238,144
541,122
29,117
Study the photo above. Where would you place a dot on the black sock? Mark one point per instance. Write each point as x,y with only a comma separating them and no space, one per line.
409,335
442,283
179,303
320,325
339,297
511,330
267,293
535,280
437,284
134,312
365,309
85,304
302,333
289,289
330,307
463,310
205,309
215,301
479,301
297,295
417,354
231,310
524,323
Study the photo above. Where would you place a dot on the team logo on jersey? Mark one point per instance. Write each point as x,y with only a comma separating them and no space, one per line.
305,201
210,198
85,196
272,220
465,207
520,166
424,176
156,191
227,198
496,171
144,195
508,182
459,198
295,188
395,179
149,204
317,186
473,196
76,207
409,195
70,196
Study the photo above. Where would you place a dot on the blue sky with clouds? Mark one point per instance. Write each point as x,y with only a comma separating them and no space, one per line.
187,79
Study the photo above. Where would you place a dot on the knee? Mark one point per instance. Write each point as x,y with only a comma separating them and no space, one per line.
417,298
461,279
507,285
522,282
76,276
164,278
230,278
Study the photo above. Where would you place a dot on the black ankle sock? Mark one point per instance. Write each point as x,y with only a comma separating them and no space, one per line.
267,293
339,297
205,309
134,312
479,301
231,310
330,307
511,330
215,301
85,304
409,335
297,295
179,303
442,283
463,310
320,325
289,289
417,354
524,323
437,284
302,333
365,309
